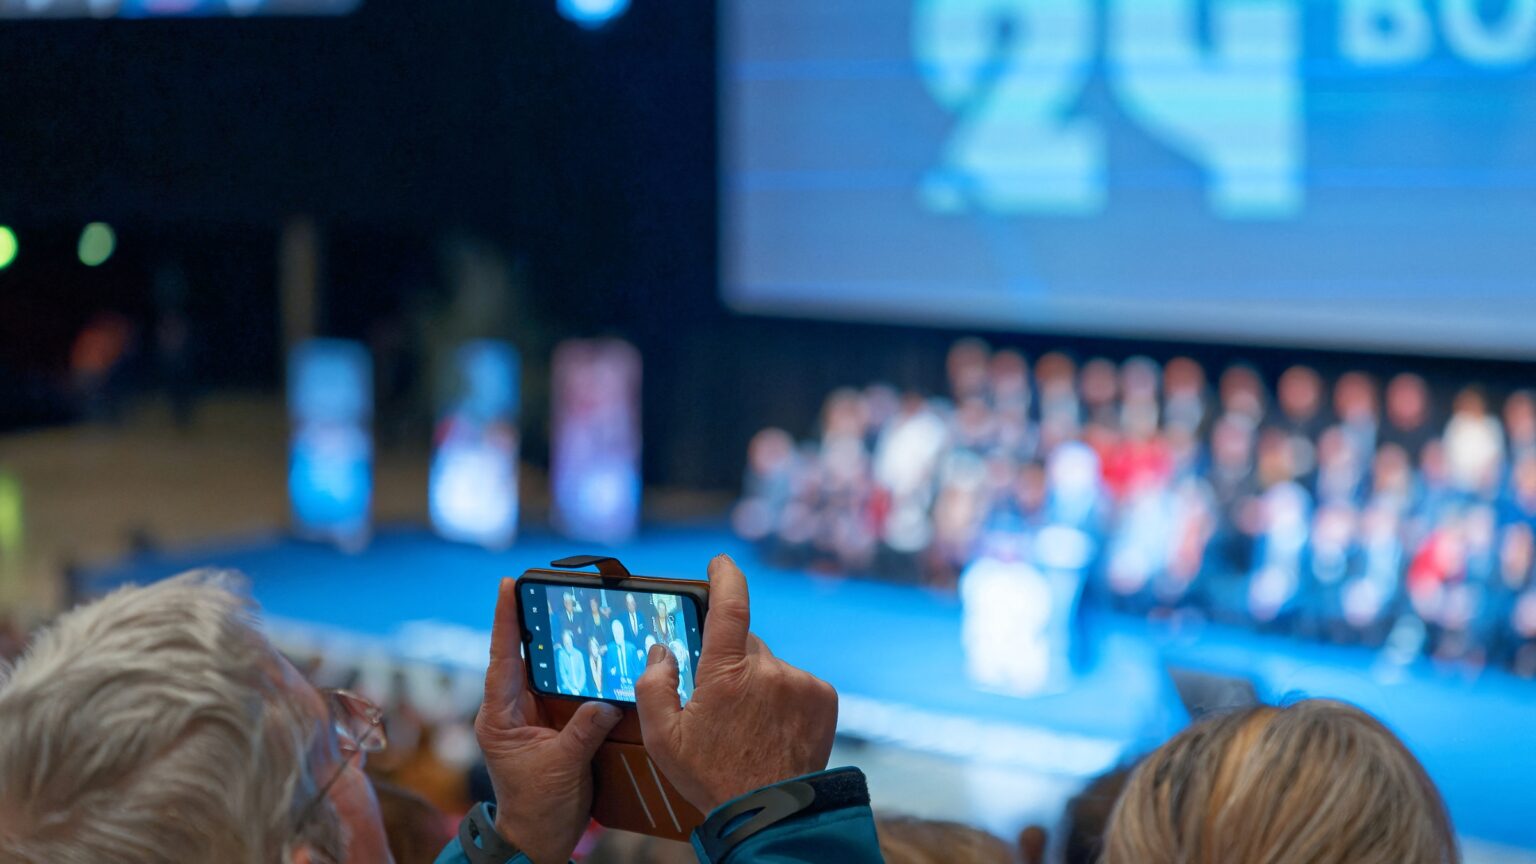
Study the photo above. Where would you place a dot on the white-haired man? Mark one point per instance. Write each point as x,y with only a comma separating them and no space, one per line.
159,725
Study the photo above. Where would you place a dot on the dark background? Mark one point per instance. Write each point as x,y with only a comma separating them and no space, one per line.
587,156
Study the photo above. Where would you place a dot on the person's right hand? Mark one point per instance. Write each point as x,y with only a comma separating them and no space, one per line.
753,721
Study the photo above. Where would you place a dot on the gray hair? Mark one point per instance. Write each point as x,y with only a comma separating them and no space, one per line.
153,726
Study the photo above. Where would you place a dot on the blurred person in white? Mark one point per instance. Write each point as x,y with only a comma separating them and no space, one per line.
906,458
159,725
570,666
1474,443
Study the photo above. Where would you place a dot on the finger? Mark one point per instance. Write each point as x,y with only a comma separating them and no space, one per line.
588,729
730,613
656,695
504,675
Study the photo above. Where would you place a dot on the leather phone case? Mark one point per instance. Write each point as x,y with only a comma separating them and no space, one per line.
630,792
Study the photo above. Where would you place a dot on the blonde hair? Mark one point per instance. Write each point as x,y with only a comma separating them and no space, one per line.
1318,782
905,840
153,726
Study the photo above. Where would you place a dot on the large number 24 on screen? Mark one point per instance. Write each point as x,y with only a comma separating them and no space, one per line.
1013,70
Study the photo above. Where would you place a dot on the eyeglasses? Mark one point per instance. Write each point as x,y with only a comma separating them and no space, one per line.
359,728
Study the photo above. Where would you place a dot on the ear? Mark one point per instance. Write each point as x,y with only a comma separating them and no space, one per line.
1032,843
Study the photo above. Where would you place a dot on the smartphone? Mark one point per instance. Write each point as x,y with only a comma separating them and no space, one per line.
587,637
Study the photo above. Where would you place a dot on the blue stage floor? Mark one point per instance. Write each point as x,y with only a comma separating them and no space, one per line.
894,655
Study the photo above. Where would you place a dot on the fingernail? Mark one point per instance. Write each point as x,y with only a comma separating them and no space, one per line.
606,715
657,653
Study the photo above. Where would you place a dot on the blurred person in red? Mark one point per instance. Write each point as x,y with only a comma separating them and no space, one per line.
98,362
1438,564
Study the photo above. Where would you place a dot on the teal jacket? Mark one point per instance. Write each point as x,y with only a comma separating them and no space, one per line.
818,819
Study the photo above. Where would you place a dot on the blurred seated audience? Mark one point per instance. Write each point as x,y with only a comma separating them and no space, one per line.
1351,512
416,830
1318,782
905,840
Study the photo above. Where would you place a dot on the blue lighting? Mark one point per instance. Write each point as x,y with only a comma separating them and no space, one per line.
330,467
472,493
592,13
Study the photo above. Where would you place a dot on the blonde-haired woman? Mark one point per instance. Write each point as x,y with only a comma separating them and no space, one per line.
1318,782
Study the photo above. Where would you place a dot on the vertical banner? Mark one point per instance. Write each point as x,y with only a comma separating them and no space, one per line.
330,468
472,493
595,440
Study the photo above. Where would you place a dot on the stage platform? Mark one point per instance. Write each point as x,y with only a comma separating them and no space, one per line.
894,654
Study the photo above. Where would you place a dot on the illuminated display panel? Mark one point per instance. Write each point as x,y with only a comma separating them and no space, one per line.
1350,173
172,8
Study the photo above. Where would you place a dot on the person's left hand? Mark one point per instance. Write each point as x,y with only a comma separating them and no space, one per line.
542,777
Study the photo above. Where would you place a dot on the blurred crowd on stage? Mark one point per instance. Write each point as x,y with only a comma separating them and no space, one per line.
1352,510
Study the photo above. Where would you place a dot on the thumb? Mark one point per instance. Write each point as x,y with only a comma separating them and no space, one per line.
588,728
656,693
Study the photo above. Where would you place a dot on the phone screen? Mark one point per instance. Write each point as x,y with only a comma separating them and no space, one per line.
592,642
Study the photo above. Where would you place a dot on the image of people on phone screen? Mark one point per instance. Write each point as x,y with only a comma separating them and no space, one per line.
601,639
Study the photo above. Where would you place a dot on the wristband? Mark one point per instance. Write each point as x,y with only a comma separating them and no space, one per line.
479,840
737,821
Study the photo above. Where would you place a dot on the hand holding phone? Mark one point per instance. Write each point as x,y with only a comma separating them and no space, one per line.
585,637
542,777
753,720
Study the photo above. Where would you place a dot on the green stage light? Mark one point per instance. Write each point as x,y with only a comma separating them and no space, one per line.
97,243
8,246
